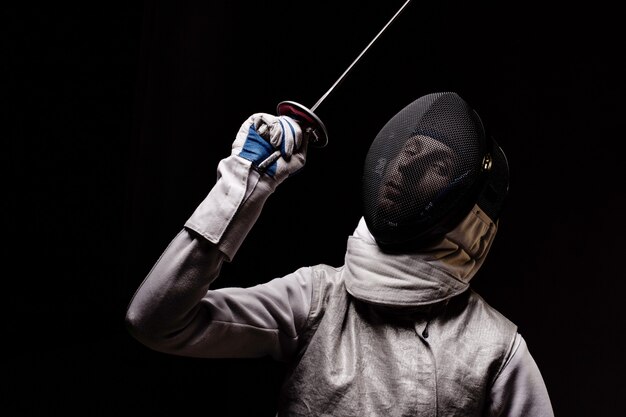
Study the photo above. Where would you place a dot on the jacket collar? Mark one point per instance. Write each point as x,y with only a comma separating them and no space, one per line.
433,274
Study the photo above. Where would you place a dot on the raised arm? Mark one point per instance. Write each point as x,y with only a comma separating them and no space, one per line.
174,311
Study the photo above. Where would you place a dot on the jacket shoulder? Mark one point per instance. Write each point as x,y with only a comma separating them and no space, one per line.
327,284
487,314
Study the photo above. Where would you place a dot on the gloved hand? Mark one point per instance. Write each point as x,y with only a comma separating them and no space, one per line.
274,144
266,150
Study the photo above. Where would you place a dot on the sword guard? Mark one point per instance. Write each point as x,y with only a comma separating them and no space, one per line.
310,123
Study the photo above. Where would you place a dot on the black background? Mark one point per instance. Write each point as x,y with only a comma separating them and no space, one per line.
116,118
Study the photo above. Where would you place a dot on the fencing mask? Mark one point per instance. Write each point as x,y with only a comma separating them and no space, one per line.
426,169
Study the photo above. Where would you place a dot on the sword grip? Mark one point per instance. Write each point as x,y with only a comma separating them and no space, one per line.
268,161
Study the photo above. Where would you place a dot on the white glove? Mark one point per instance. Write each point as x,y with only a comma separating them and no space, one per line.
266,150
274,144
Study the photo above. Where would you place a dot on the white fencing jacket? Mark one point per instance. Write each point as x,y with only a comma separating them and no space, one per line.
381,335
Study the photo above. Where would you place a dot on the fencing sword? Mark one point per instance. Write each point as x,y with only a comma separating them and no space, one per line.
306,118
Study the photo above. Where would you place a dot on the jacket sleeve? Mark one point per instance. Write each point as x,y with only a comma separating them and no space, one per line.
174,310
519,390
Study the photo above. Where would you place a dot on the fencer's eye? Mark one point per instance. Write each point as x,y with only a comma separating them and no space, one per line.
413,148
441,168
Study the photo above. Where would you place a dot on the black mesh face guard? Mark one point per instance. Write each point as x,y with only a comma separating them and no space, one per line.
424,170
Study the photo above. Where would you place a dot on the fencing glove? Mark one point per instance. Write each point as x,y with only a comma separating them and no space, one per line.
266,150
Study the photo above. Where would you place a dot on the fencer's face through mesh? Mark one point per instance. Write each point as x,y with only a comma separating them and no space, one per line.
404,175
421,172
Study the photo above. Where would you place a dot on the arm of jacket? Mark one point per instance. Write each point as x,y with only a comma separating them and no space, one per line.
174,311
519,390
